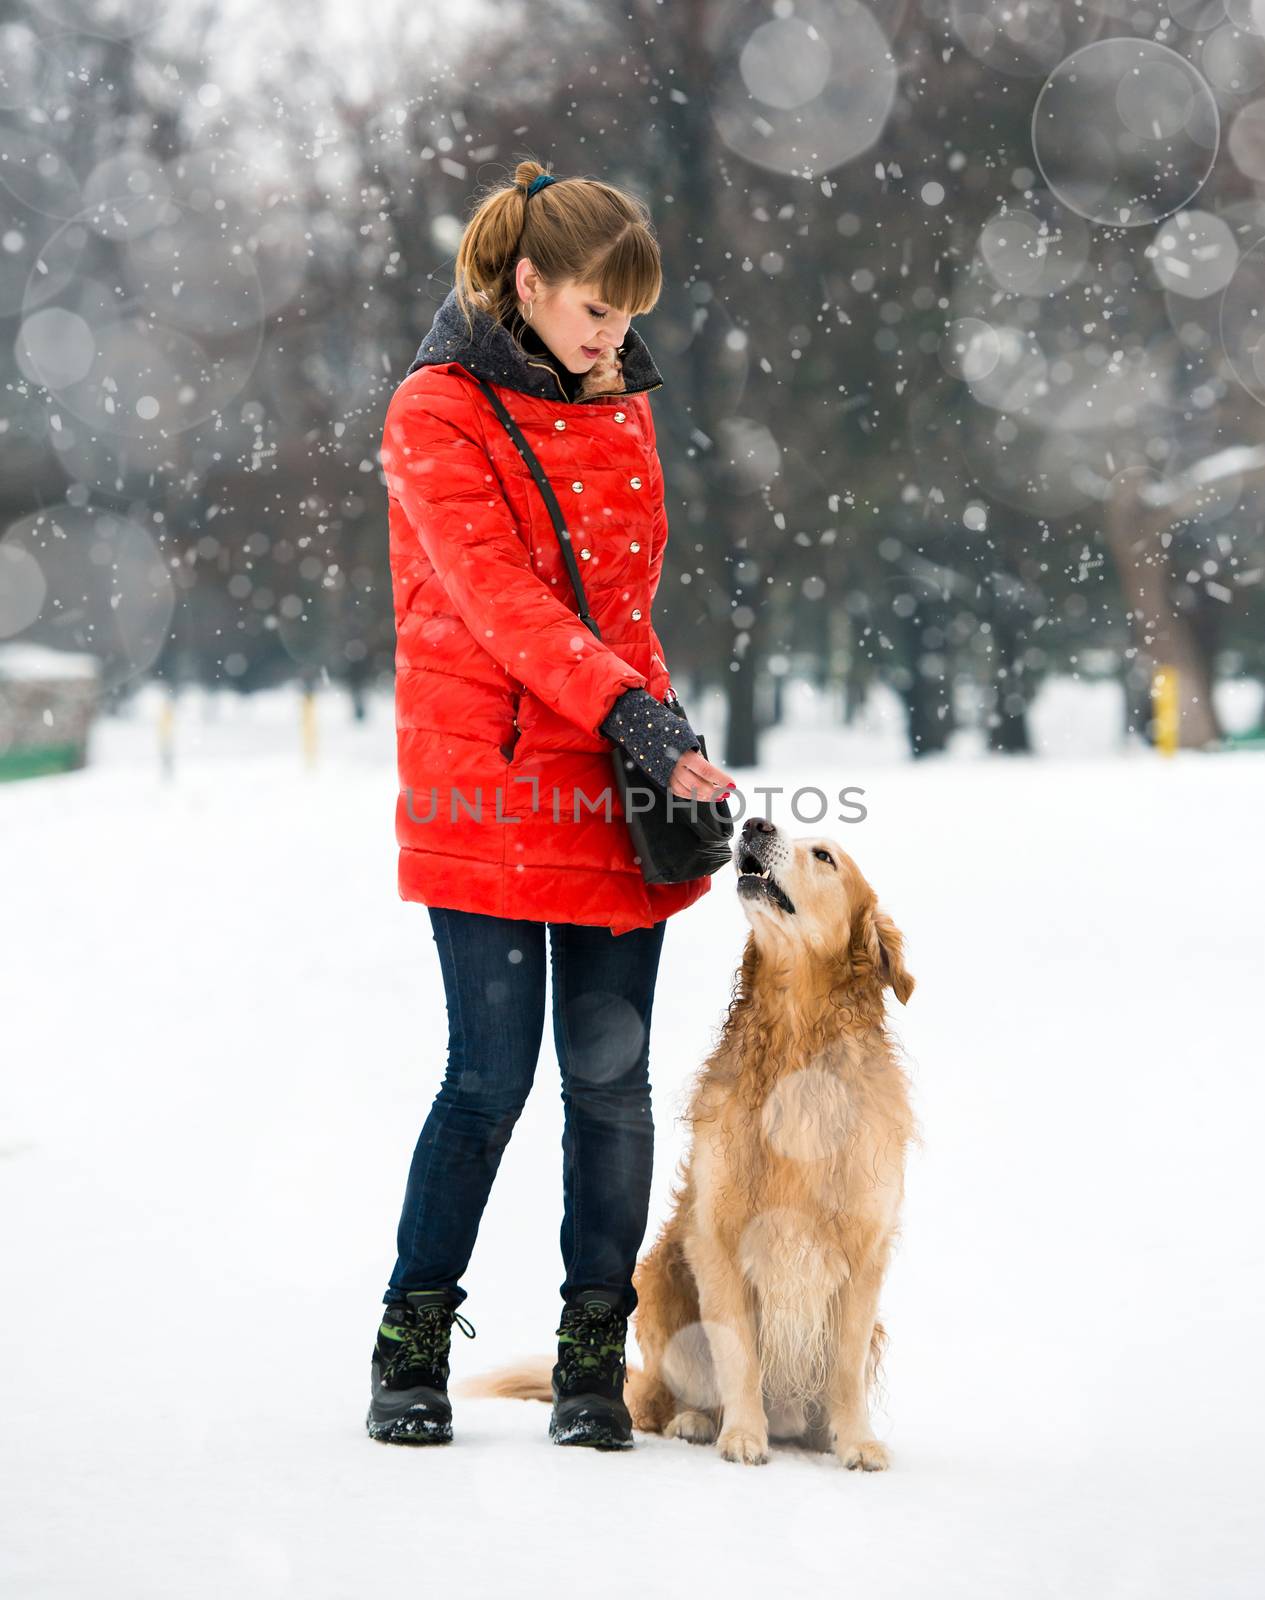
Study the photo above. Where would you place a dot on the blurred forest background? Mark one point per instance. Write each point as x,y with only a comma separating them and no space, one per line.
960,332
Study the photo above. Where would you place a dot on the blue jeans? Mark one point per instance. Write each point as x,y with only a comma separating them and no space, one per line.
603,991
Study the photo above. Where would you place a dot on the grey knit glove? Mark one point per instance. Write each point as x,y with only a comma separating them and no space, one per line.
653,736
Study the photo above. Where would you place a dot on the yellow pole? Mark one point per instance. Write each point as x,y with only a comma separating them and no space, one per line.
309,727
1165,709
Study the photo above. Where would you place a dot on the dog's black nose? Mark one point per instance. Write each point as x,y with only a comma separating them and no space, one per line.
758,825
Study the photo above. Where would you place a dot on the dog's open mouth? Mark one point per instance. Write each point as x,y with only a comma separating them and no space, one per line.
754,878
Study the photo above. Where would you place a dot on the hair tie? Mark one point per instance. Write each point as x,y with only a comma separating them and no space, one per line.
540,182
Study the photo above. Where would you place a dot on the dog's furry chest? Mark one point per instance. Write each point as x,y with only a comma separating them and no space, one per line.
802,1194
828,1183
819,1143
800,1208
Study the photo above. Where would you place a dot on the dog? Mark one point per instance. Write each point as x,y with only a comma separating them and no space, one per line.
757,1305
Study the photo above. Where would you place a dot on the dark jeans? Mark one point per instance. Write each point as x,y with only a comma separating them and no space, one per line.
603,990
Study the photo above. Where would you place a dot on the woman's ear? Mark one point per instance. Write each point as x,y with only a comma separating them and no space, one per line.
881,946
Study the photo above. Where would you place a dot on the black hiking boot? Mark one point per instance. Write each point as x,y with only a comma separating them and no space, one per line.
588,1380
409,1372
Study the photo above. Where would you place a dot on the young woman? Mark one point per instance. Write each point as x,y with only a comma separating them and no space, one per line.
506,710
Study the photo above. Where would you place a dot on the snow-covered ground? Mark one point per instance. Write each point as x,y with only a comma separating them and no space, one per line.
222,1031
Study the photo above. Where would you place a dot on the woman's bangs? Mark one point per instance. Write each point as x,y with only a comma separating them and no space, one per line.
631,278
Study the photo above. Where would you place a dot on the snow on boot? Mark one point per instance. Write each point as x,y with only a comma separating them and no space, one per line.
409,1371
588,1380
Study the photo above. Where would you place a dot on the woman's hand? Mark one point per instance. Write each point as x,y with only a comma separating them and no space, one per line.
694,778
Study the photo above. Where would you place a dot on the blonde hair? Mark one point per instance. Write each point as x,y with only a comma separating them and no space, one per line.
575,230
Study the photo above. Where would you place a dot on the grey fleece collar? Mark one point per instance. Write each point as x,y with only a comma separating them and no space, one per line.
493,354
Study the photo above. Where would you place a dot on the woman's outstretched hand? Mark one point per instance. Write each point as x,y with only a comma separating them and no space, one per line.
694,778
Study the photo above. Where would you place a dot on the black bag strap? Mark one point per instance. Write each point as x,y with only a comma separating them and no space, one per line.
711,819
551,502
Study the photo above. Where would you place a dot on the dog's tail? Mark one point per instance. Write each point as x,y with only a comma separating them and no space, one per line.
520,1380
532,1379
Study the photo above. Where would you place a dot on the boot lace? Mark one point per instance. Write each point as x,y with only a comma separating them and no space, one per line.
426,1341
591,1345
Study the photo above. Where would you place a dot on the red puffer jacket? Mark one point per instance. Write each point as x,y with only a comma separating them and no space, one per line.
507,802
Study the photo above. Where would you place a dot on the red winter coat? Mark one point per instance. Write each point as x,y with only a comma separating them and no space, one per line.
500,689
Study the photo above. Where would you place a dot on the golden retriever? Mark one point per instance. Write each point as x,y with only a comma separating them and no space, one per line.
757,1304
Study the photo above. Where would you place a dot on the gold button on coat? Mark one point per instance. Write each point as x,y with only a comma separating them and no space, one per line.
636,616
584,555
560,424
635,482
619,416
634,547
577,487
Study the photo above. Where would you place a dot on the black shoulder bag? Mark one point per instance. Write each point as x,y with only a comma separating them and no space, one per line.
673,839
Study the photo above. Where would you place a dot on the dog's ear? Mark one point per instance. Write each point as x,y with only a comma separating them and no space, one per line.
892,943
880,946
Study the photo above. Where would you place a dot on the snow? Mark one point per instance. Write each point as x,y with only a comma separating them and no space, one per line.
223,1031
25,661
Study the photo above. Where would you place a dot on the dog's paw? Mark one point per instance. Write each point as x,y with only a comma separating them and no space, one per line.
696,1426
739,1444
868,1454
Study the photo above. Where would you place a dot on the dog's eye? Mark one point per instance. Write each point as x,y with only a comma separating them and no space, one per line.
824,855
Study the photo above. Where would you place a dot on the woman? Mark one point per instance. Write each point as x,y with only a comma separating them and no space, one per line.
506,709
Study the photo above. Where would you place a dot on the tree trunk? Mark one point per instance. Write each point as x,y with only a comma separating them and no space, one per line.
1162,632
740,736
928,706
1008,720
1136,683
927,718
